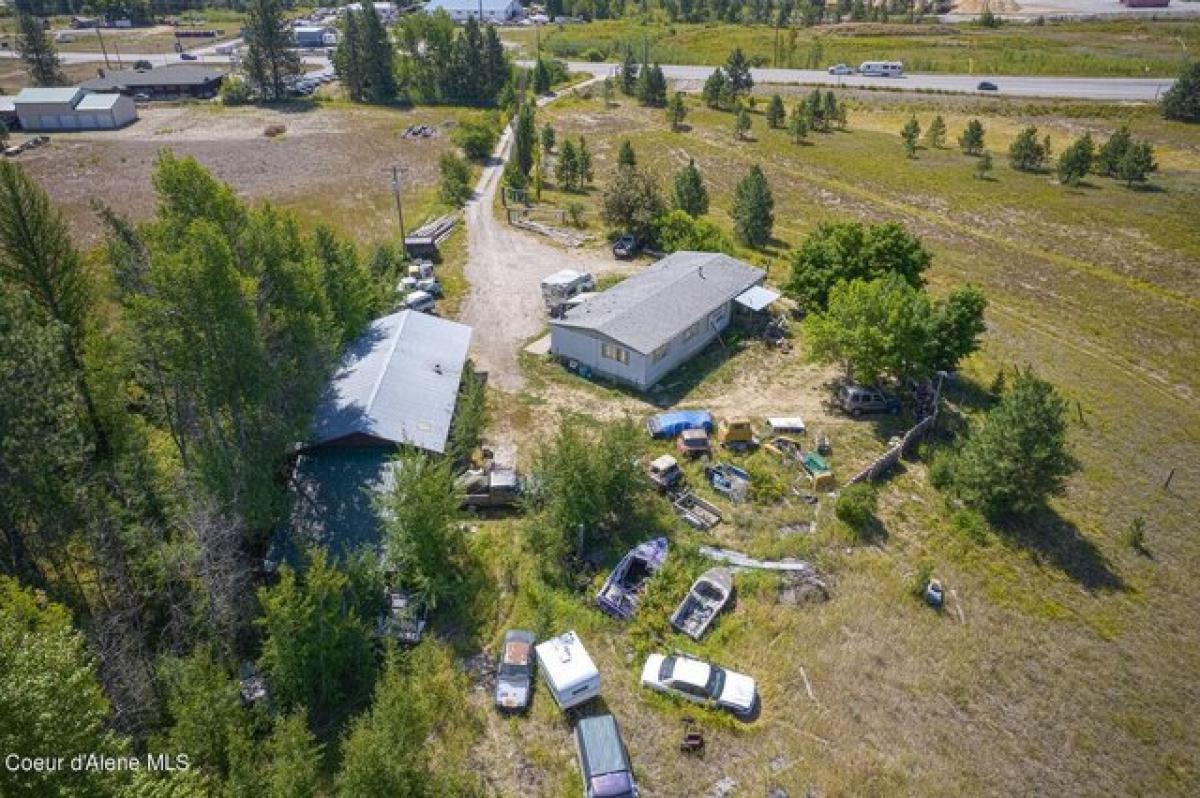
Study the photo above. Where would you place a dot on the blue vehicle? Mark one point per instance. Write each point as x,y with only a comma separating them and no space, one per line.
668,425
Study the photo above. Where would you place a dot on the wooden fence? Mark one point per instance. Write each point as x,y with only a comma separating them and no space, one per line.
881,464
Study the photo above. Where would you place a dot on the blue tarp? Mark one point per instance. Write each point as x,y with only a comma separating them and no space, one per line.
668,425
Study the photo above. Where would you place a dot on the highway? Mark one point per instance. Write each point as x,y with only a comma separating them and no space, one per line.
1110,89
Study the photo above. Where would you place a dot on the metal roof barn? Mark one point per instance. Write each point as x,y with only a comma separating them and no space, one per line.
397,384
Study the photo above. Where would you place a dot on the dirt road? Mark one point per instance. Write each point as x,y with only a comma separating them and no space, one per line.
505,268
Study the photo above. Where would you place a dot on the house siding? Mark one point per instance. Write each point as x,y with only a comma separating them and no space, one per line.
585,346
680,350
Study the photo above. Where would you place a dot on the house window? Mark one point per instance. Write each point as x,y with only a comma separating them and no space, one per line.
660,353
614,352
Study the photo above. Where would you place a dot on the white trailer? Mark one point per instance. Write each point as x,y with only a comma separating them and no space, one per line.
881,69
561,286
568,670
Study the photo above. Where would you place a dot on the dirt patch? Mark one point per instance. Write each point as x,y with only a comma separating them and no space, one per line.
332,164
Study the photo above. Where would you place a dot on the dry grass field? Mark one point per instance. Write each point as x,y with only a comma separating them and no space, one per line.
1073,667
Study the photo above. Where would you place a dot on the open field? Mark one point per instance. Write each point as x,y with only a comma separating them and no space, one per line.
14,76
1118,48
1075,671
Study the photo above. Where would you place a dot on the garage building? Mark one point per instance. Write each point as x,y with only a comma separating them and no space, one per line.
73,109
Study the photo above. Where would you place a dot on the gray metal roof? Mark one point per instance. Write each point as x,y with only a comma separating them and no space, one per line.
168,75
757,298
97,102
398,383
468,6
651,308
51,95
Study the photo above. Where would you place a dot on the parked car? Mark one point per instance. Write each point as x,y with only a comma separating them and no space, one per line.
495,487
420,301
668,425
514,674
693,443
665,473
856,400
625,247
141,97
603,760
987,85
431,286
701,682
841,69
188,57
14,151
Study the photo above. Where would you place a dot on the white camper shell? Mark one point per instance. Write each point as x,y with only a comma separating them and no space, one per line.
568,670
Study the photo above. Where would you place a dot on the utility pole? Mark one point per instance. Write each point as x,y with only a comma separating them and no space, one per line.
399,208
103,49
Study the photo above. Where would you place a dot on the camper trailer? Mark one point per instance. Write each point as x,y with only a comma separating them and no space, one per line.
568,670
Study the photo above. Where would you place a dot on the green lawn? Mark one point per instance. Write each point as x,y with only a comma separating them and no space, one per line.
1113,48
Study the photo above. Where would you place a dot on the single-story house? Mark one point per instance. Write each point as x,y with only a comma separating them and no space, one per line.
314,36
72,109
643,327
396,387
461,10
169,81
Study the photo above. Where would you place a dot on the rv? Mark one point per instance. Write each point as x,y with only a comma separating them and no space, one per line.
559,288
568,670
881,69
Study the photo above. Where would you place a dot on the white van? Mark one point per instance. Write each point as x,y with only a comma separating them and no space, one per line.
568,670
881,69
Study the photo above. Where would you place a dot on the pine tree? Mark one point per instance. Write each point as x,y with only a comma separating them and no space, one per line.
842,116
656,89
688,193
348,58
629,74
1181,102
676,111
548,137
584,157
814,110
737,72
741,124
271,64
830,111
775,112
641,87
626,155
1109,158
566,171
971,140
911,133
1137,163
753,209
935,136
983,166
525,139
1027,154
541,77
379,75
1076,160
798,124
714,89
37,50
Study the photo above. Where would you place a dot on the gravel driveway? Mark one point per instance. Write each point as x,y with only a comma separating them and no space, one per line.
505,267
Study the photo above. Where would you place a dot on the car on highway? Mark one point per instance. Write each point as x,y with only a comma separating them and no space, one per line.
514,674
987,85
188,57
841,69
625,247
701,682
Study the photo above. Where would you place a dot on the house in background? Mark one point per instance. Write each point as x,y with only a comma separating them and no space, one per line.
164,82
642,328
388,12
397,387
314,36
461,10
72,108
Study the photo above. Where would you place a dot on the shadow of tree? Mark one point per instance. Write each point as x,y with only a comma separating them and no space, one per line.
1056,541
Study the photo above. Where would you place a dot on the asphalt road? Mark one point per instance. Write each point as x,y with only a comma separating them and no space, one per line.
1118,89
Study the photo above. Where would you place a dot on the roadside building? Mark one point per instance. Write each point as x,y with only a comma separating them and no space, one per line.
72,109
168,82
388,12
642,328
396,388
461,10
314,36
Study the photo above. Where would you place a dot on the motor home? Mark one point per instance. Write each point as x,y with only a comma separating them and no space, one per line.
881,69
561,286
568,670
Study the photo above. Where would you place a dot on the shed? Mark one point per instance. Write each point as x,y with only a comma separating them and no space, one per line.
104,111
461,10
72,108
314,36
642,328
396,385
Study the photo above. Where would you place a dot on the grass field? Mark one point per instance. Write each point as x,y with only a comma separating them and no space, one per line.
1111,48
1074,668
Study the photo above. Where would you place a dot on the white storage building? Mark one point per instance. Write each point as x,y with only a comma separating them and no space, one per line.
461,10
73,108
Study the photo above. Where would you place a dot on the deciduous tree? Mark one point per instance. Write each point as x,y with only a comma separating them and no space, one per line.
1076,160
841,251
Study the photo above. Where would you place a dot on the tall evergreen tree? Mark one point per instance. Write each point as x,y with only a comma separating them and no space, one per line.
798,124
910,134
271,64
348,58
566,171
688,193
935,136
629,74
775,112
737,72
753,209
525,139
1026,153
379,72
584,156
676,111
37,50
971,140
625,155
715,88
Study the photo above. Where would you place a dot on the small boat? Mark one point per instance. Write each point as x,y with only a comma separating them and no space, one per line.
708,596
623,589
